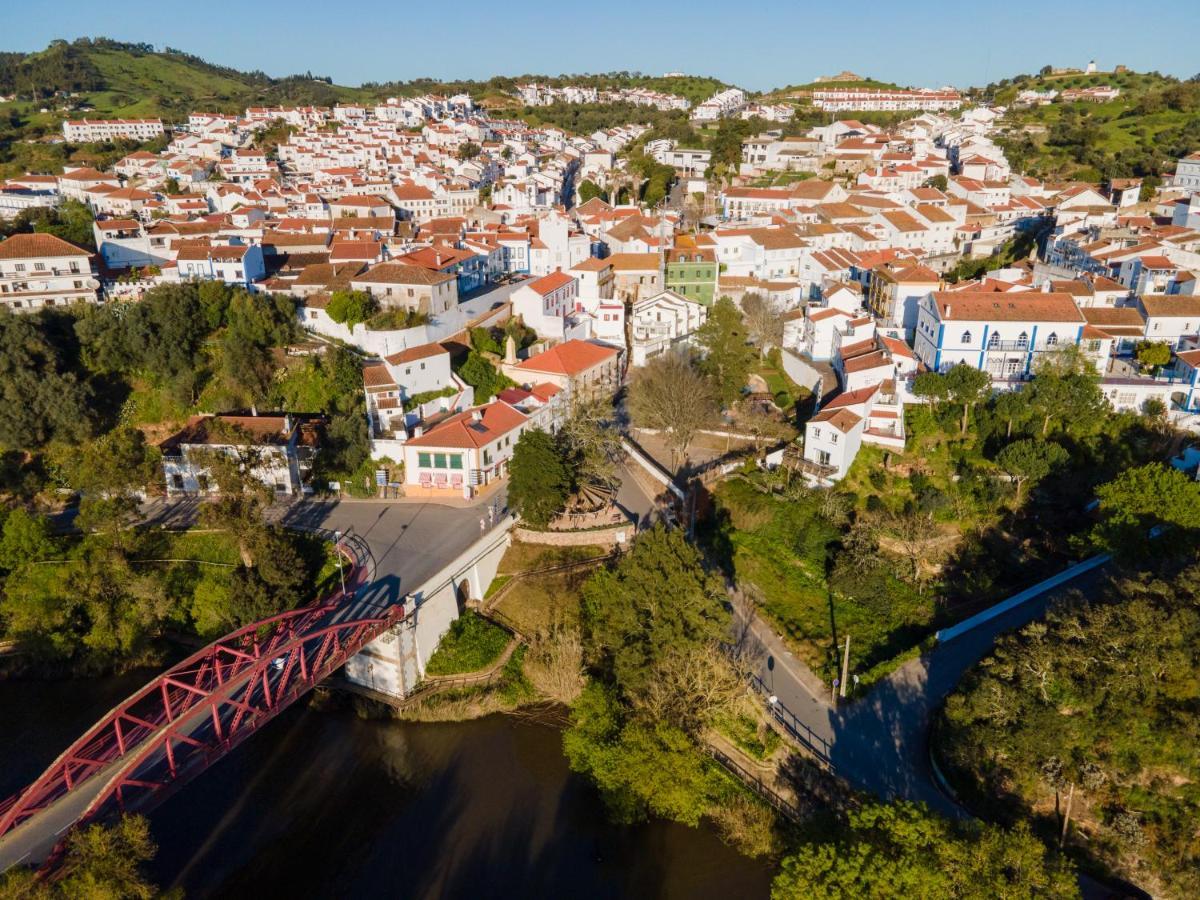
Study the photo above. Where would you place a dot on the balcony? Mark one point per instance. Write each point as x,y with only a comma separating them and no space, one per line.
1022,347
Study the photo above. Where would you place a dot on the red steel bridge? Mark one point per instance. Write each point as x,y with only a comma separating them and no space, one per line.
192,715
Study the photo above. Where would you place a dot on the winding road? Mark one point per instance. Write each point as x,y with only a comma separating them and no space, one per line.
880,742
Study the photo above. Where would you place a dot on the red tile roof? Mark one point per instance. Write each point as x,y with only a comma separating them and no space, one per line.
463,430
569,358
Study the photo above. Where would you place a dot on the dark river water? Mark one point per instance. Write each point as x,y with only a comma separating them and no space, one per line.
324,804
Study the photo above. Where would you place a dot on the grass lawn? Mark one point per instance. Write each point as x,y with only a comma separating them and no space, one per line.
779,549
522,557
471,644
540,602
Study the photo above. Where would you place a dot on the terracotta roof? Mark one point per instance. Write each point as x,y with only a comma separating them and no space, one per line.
549,283
27,246
633,261
465,431
1171,304
592,263
841,419
569,358
412,354
378,377
1032,306
399,273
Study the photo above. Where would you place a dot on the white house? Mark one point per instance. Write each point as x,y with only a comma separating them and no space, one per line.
662,322
39,270
546,303
277,450
1001,334
94,131
1170,317
832,437
463,453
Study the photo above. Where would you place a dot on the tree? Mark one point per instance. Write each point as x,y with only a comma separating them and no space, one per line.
25,538
242,497
937,181
1012,407
42,395
589,189
1141,499
538,483
482,376
764,322
967,385
657,600
726,359
349,308
468,150
588,442
1030,461
1065,701
117,462
101,862
214,302
903,850
1066,388
1153,354
670,395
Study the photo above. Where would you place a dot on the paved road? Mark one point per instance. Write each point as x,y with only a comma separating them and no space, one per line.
881,742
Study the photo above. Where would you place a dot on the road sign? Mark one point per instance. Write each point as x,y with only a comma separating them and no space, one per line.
381,477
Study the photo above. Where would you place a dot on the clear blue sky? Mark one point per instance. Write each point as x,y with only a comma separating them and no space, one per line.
754,44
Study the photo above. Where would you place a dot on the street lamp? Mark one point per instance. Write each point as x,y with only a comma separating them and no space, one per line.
337,539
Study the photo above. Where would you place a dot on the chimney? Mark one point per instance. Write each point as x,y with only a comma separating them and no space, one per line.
947,310
476,416
510,351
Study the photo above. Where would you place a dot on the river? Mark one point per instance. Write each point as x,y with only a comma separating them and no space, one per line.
324,804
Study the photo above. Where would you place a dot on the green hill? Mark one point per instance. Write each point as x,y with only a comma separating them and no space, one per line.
1155,121
122,79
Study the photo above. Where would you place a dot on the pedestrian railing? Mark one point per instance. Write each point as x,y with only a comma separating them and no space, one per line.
793,727
772,797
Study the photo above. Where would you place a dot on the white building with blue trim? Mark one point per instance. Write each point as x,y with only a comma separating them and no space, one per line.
1002,334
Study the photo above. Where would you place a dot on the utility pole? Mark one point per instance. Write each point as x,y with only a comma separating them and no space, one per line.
1062,838
845,666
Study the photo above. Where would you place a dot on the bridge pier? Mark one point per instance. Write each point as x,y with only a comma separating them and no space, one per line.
394,663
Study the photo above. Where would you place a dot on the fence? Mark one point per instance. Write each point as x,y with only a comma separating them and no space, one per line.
756,784
1031,593
794,728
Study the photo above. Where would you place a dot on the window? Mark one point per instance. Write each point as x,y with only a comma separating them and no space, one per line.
439,460
456,461
816,432
1022,340
423,460
39,267
833,438
994,340
1051,339
966,337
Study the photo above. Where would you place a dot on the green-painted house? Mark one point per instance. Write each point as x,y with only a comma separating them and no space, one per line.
692,272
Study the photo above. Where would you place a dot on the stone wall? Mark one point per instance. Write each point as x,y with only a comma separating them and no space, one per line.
615,535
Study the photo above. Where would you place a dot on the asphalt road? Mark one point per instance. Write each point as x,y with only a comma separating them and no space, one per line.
881,742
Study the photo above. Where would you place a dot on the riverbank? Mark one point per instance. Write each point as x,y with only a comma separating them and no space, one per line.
324,803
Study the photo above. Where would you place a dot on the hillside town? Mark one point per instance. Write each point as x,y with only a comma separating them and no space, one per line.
798,487
457,220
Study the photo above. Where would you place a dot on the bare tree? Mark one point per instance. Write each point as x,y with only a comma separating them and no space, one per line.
554,664
764,321
589,439
692,686
669,394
